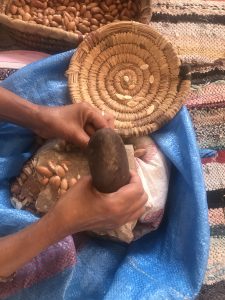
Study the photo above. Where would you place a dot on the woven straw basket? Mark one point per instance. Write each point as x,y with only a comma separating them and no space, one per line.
131,71
54,39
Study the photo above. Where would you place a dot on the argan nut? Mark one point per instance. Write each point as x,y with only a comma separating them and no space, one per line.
71,26
131,86
13,9
23,177
44,171
94,22
126,78
109,17
125,18
61,8
129,4
15,189
40,15
134,7
60,171
72,10
91,5
108,2
16,203
65,167
86,23
150,109
83,28
98,17
55,181
144,67
46,22
96,10
104,7
77,5
45,200
112,7
26,8
72,182
151,79
64,184
38,4
108,162
54,24
57,18
94,27
114,12
39,21
20,181
21,11
70,19
132,103
26,17
27,200
103,21
83,9
44,181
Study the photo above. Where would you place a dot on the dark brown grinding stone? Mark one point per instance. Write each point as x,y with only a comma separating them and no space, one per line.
108,161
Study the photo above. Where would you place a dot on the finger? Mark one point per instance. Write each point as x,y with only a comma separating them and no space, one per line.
140,152
134,184
96,120
134,177
89,129
138,204
137,214
81,138
110,120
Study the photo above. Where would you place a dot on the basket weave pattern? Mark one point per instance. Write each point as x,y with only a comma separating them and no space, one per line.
53,39
131,71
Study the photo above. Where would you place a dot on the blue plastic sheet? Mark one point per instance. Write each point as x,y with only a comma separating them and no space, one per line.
167,264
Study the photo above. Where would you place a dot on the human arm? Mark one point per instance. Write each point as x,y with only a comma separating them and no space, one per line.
74,123
82,208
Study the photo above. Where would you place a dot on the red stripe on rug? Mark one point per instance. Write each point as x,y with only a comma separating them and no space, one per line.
219,158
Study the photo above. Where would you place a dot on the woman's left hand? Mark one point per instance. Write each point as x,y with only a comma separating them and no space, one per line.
75,123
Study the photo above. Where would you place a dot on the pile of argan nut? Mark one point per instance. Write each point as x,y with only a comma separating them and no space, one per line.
54,169
80,17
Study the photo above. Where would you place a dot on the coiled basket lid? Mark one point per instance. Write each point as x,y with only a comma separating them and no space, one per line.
131,71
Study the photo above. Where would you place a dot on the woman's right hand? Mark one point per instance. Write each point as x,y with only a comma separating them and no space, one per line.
84,208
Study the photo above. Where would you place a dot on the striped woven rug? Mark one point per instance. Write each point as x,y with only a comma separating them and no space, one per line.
197,29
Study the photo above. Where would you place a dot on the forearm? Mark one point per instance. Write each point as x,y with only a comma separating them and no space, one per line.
18,110
19,248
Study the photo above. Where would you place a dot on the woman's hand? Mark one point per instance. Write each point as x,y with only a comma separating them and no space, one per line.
84,208
74,123
81,208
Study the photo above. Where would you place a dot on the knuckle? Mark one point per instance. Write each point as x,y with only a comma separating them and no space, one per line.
84,106
139,191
